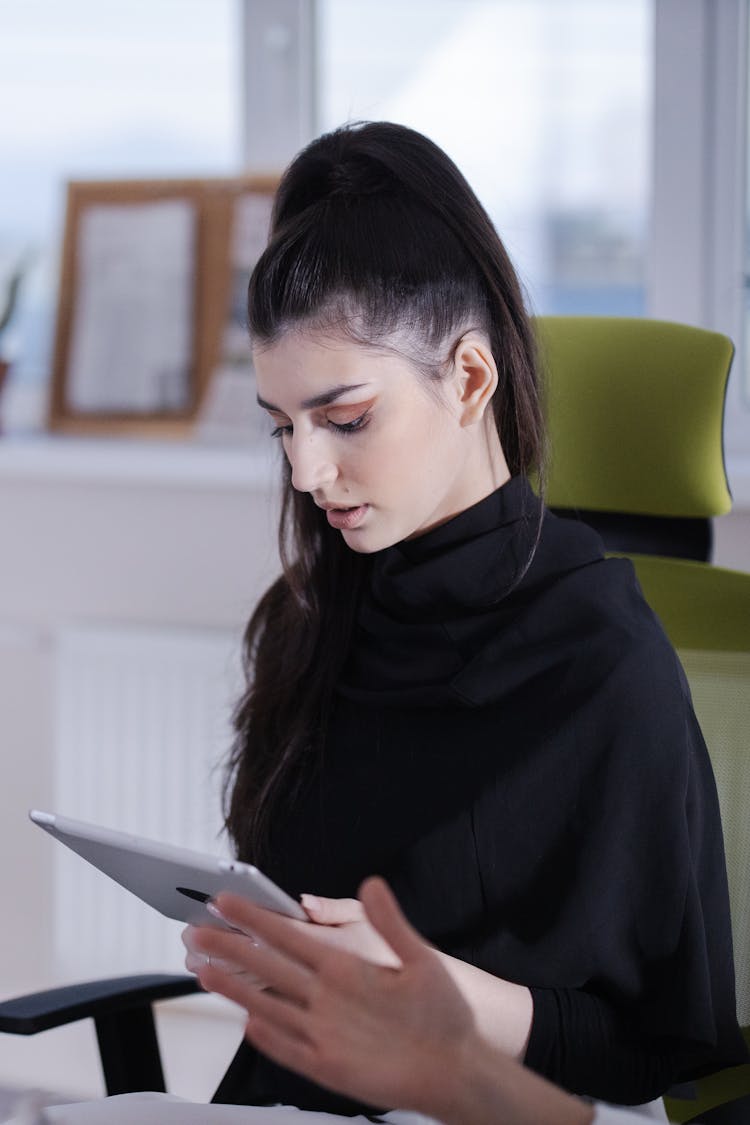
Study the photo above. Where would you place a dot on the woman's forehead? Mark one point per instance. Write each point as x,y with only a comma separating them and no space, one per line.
305,354
303,371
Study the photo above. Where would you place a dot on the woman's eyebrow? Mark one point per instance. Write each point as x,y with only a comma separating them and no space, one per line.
324,399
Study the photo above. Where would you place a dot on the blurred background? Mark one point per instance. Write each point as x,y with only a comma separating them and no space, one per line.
545,105
608,140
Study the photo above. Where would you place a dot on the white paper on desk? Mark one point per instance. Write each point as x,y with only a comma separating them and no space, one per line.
163,1109
132,333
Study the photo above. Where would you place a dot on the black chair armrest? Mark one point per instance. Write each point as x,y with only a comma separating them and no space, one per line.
26,1015
121,1010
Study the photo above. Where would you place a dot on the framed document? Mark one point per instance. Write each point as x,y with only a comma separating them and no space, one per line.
150,278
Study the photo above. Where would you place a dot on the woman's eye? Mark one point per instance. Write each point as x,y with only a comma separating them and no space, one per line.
350,427
281,431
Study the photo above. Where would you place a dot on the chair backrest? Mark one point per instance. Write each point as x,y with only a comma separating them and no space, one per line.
634,415
706,613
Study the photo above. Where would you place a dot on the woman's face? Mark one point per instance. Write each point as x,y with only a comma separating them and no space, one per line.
385,457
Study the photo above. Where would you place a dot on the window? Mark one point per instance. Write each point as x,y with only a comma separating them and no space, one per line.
745,382
697,244
606,138
546,108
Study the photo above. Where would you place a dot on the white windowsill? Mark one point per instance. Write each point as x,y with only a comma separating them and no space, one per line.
132,461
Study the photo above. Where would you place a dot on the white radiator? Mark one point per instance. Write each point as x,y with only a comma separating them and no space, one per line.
143,725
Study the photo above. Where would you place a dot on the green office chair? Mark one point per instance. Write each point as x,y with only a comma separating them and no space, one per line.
634,413
706,613
635,417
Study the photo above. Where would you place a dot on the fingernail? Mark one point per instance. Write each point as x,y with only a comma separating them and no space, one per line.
214,911
310,902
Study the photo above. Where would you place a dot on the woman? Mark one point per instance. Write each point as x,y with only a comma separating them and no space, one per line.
447,685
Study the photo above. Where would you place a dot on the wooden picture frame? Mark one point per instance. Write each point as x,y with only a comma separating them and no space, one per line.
200,214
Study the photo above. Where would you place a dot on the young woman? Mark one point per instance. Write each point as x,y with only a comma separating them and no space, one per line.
448,685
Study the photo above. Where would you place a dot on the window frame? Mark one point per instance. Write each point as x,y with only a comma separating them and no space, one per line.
697,242
695,266
279,81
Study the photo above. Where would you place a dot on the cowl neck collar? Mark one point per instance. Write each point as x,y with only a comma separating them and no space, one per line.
464,565
439,611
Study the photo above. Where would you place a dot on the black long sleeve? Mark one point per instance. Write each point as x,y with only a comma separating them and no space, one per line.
584,1043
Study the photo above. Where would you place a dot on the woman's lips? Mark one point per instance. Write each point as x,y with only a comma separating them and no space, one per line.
344,519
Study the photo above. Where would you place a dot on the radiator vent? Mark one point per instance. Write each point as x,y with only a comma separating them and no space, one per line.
143,725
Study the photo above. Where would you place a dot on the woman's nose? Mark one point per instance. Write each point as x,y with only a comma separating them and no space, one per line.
311,462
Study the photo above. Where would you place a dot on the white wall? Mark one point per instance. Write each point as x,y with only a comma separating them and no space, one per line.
732,540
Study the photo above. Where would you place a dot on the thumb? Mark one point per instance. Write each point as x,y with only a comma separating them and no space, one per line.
385,914
332,911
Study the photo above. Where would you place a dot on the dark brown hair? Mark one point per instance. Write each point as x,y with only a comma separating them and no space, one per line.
376,235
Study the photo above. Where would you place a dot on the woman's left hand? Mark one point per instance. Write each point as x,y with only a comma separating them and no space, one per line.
338,922
345,925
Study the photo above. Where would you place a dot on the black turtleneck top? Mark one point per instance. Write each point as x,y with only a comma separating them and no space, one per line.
514,749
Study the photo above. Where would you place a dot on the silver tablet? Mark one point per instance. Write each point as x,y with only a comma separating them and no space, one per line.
173,880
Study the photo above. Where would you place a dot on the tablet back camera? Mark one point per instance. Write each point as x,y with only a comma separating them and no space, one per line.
199,896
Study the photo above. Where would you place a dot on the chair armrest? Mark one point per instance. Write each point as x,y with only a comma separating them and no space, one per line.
121,1010
26,1015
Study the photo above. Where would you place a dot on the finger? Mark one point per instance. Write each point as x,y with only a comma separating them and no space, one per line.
294,939
240,988
228,944
384,912
191,936
270,1006
274,969
195,962
194,957
332,911
188,937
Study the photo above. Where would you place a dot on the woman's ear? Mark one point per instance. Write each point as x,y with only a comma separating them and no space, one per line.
476,377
